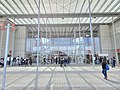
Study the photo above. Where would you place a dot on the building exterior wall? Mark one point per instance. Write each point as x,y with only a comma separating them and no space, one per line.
10,42
20,38
3,39
105,40
117,35
117,32
2,42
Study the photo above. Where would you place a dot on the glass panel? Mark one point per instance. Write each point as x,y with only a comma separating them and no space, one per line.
7,5
2,12
85,6
62,46
99,5
105,5
5,9
80,2
116,8
112,6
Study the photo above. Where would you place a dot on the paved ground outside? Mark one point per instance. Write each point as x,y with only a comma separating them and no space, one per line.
53,77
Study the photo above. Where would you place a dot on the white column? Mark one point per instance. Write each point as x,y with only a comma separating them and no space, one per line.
30,41
91,34
115,44
46,38
67,41
105,40
2,43
5,58
13,42
84,46
81,59
20,41
2,38
50,44
38,43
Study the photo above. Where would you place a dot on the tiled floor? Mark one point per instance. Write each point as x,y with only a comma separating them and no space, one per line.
72,77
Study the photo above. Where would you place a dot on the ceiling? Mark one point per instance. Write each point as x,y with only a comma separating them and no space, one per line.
60,18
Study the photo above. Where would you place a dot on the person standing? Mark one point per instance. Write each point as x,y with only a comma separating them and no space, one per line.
61,61
114,61
104,70
30,61
44,60
56,60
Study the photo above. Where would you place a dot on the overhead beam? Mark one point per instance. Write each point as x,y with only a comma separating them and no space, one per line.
61,15
61,25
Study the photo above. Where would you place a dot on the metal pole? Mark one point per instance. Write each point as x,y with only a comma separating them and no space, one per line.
91,34
38,34
30,42
41,45
46,38
81,61
59,46
5,58
36,82
50,45
115,43
75,48
84,46
13,42
66,41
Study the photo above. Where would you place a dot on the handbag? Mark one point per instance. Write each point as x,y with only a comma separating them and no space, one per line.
107,67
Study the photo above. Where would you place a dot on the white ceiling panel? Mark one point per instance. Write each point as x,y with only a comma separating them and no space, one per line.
1,12
101,2
94,4
116,8
106,5
80,3
113,6
59,7
7,6
4,9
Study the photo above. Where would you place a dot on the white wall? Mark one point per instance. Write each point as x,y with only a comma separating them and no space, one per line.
2,42
20,38
3,39
10,41
117,31
105,39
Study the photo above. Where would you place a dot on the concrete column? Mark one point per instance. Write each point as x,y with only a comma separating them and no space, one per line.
105,40
2,42
117,35
2,39
10,42
20,41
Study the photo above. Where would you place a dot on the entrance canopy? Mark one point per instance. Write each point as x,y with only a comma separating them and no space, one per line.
61,16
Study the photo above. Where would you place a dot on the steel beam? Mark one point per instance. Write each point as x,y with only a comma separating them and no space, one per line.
61,15
62,25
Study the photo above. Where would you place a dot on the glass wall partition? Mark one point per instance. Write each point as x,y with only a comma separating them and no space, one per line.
75,48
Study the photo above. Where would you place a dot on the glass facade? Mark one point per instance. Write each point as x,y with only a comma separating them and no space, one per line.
69,46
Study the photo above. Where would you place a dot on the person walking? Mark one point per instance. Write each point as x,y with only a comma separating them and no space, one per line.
104,69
